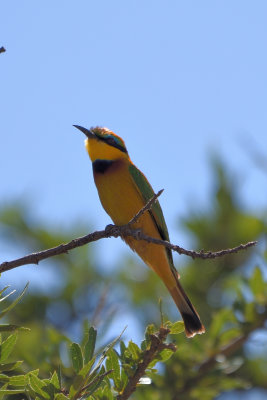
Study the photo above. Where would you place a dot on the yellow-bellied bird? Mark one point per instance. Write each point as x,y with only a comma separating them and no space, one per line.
123,191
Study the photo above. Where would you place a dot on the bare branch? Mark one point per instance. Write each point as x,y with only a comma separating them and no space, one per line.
118,231
157,345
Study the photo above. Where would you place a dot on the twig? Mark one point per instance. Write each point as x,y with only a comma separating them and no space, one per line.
2,49
117,231
157,345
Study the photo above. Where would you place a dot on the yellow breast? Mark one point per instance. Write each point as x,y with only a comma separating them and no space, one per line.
122,200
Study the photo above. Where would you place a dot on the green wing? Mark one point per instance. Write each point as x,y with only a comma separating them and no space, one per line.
156,213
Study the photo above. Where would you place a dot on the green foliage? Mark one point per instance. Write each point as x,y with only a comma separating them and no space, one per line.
89,376
57,344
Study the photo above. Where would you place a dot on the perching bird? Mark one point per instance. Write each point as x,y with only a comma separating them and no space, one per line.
123,191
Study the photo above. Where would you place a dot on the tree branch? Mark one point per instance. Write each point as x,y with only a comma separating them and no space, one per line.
157,345
118,231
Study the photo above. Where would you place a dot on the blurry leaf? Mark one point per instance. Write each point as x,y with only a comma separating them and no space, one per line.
37,385
165,355
7,347
6,296
76,357
112,363
10,328
250,313
12,305
3,389
4,378
55,381
61,396
89,347
222,317
10,366
107,348
150,329
11,391
76,386
229,335
92,388
18,380
106,394
122,349
258,286
4,289
86,369
176,328
134,350
144,345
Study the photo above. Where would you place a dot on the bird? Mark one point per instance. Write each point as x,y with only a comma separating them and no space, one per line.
123,190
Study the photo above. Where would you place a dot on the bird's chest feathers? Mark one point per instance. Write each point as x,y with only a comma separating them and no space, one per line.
122,200
116,190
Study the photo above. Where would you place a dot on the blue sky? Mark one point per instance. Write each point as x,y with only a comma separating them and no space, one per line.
177,80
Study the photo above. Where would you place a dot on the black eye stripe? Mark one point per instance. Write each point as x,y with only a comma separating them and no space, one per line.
112,142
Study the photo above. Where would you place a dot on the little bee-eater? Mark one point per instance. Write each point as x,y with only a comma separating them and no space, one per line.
123,191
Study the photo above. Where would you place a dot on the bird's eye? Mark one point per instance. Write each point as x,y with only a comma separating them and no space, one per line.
111,141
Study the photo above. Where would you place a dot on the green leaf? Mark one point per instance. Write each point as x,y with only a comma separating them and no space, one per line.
222,317
61,396
76,386
7,295
7,347
150,329
165,354
11,391
107,348
176,328
144,345
15,302
11,328
10,366
3,290
92,388
106,394
134,350
37,385
55,381
81,379
112,363
250,313
18,380
76,356
89,347
3,389
122,349
124,379
257,285
4,378
87,368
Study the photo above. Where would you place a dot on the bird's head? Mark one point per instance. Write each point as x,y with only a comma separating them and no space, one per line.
103,144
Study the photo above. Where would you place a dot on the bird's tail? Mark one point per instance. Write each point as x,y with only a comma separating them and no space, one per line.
192,322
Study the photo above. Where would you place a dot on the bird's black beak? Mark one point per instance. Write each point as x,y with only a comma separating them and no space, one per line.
87,132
